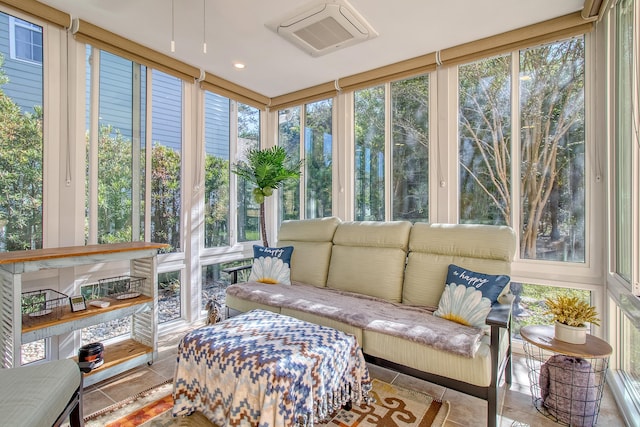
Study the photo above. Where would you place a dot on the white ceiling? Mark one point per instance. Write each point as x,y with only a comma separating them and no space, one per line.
236,32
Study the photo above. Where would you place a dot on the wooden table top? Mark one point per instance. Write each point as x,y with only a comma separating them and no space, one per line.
72,251
542,336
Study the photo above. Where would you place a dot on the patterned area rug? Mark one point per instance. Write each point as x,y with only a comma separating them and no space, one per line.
395,406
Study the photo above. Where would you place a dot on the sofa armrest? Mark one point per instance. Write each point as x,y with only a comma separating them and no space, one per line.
500,318
233,271
500,315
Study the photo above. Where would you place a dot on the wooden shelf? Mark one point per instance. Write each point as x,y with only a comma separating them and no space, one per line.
120,353
17,329
88,251
69,316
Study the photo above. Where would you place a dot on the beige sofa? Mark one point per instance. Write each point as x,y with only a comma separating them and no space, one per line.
380,281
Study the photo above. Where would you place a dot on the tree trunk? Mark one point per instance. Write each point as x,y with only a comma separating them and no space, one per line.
263,226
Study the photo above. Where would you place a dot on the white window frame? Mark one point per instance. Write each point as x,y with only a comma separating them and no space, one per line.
17,22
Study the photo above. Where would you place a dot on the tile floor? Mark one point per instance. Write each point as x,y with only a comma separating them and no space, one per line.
516,408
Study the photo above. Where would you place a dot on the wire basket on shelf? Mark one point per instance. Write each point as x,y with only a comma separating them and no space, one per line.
43,305
122,287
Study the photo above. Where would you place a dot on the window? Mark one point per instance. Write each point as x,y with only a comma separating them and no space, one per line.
26,40
215,280
248,209
217,136
289,125
624,280
485,141
318,143
624,123
551,153
313,193
169,302
166,160
392,153
410,148
21,151
369,118
116,149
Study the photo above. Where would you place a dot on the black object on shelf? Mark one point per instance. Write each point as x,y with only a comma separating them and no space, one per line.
90,356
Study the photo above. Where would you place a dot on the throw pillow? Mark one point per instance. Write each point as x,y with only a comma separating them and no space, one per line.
489,284
271,265
464,305
468,296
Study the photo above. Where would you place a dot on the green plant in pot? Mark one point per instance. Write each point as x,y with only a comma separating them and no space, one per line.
267,169
571,316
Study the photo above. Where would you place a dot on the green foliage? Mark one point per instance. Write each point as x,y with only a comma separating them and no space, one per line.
216,214
21,149
369,125
267,169
165,195
115,159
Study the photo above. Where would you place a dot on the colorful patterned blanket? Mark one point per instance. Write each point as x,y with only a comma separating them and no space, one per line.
265,369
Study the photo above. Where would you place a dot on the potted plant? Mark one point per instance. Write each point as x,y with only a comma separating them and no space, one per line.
267,169
571,316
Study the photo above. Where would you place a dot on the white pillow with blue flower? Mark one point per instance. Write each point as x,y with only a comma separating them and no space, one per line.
271,265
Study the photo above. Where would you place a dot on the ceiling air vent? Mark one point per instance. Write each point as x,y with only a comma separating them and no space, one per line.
323,27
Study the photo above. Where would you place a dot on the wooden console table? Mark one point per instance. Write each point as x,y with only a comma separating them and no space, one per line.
141,347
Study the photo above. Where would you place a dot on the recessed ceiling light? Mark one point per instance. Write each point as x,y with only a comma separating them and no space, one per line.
238,65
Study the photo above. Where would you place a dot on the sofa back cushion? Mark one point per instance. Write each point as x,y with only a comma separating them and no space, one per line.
369,257
432,247
312,243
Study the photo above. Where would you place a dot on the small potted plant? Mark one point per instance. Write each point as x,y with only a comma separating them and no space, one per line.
571,316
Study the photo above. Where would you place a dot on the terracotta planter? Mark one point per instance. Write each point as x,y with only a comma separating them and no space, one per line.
571,334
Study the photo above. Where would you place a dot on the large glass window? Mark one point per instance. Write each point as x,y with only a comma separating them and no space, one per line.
216,147
552,148
248,209
624,98
410,149
116,154
289,124
485,141
369,122
625,200
21,149
166,160
318,157
551,211
315,195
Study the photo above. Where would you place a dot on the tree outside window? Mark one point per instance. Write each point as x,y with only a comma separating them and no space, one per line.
552,145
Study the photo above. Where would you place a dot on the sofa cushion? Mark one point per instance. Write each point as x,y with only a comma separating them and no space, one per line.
369,258
271,265
312,240
363,312
491,285
476,371
432,247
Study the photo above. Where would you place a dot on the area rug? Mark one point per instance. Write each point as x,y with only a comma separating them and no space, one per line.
394,406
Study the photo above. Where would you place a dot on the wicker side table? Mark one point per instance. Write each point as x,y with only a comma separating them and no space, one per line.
566,380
